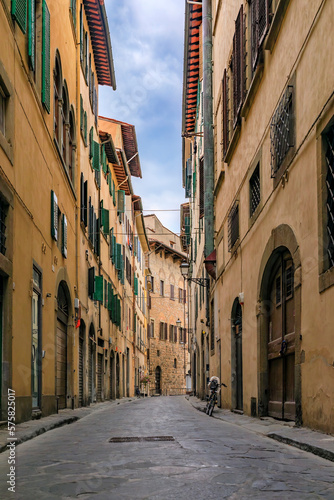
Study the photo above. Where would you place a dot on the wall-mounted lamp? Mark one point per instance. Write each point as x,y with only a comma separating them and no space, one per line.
184,268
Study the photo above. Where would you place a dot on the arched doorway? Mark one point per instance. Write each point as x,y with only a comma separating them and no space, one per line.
91,364
61,344
158,380
279,327
236,355
82,332
117,377
281,337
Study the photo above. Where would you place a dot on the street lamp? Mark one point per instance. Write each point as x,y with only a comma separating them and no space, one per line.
184,268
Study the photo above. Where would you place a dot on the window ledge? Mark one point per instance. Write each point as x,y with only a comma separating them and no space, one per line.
276,25
219,183
257,77
326,280
7,147
233,143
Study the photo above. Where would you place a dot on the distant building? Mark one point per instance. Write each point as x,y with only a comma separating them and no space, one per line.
168,341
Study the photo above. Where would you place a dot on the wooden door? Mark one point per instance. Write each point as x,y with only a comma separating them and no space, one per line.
99,376
61,364
281,340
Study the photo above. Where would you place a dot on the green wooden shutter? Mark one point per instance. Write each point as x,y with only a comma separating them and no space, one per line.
85,128
111,242
118,256
104,219
113,308
64,237
81,34
104,160
74,12
19,13
81,114
46,57
91,282
91,143
113,193
120,201
110,294
31,34
96,156
98,294
136,285
54,216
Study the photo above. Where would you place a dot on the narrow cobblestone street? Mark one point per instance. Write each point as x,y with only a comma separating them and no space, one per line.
208,458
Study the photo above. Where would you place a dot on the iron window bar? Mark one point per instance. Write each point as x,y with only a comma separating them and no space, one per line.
280,131
3,213
330,194
233,226
255,190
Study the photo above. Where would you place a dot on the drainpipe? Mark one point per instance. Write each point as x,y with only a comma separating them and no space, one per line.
208,128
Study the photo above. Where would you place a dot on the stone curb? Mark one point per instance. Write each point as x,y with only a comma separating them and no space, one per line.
40,430
302,445
321,452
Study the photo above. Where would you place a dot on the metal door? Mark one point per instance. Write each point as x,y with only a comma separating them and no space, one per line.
99,376
81,341
281,340
61,364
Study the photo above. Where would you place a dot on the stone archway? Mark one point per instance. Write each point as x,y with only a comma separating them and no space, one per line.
279,327
63,308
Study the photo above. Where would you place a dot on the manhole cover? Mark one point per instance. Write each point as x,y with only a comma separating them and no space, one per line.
137,439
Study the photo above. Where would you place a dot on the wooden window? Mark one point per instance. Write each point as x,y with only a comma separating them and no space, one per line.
225,120
172,292
54,216
46,56
255,190
64,236
233,225
120,202
91,282
238,67
162,288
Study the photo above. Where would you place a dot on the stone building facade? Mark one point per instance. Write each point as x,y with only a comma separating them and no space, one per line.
168,357
270,299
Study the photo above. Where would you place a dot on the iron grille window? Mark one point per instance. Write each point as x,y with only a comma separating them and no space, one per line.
329,144
260,24
281,131
225,113
3,215
233,226
255,190
289,282
238,66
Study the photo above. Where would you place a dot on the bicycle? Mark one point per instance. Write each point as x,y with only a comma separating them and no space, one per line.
212,401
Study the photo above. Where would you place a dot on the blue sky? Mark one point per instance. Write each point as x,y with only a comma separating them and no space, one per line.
147,43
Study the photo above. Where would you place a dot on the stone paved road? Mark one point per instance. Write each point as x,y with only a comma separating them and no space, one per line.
209,459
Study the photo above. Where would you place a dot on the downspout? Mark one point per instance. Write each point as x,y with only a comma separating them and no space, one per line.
208,128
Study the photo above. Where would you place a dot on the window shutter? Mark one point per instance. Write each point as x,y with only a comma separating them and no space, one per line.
91,143
81,34
136,285
98,294
105,220
111,243
74,12
64,240
91,282
118,256
31,34
90,221
96,156
135,246
97,237
19,13
263,19
87,56
81,114
46,57
165,331
201,188
225,114
82,197
85,128
120,201
238,66
85,208
104,160
54,216
110,297
254,31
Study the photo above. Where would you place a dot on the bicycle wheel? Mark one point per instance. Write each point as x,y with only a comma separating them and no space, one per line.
211,407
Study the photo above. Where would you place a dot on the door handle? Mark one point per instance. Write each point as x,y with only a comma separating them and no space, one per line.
284,347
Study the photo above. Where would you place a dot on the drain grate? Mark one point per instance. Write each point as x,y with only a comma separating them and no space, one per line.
137,439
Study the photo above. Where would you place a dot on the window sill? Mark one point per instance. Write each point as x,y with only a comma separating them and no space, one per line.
257,77
7,147
219,183
233,144
326,280
276,25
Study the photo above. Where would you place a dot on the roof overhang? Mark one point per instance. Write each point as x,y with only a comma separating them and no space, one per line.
157,244
122,173
99,32
193,21
109,147
141,230
131,148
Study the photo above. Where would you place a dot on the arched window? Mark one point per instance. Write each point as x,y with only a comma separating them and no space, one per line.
65,126
57,97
